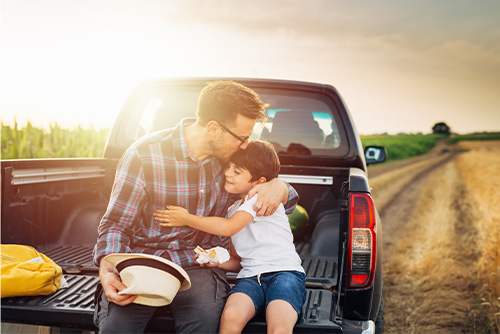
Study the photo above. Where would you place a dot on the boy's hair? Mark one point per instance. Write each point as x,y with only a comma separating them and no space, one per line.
221,101
259,158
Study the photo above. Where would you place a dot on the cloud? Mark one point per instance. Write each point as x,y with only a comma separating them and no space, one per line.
425,21
392,60
450,35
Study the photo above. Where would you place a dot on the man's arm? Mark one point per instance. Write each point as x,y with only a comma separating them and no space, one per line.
271,194
116,226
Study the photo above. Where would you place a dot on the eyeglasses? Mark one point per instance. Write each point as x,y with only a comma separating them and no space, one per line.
242,140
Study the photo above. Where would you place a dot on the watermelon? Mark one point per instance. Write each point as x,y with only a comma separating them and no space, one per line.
298,219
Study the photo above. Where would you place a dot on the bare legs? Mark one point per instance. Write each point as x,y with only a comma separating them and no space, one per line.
238,311
280,315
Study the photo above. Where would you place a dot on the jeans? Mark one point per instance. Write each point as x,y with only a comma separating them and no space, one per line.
197,310
289,286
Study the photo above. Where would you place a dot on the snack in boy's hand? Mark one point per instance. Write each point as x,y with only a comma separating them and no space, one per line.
212,255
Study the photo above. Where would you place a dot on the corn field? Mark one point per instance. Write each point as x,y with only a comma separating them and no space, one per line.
30,142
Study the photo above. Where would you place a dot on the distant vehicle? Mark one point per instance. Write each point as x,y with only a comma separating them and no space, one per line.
55,205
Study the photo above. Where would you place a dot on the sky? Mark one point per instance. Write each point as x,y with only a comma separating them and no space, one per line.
400,66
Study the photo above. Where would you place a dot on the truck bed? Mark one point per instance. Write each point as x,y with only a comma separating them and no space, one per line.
73,307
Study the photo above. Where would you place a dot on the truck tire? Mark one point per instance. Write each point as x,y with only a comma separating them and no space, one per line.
379,322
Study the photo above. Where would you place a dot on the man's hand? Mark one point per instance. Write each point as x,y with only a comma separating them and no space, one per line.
271,194
112,284
172,217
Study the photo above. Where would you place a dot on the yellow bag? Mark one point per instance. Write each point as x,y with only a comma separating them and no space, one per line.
26,272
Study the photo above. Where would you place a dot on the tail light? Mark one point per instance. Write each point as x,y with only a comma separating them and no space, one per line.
362,241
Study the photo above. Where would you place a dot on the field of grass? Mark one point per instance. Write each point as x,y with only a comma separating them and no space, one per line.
479,172
478,136
428,270
442,266
31,142
402,146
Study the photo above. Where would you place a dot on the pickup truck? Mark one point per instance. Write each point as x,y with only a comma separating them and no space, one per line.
55,205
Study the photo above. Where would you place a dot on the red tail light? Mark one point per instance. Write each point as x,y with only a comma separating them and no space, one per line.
361,241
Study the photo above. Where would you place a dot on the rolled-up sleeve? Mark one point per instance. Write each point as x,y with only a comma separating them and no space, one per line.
293,199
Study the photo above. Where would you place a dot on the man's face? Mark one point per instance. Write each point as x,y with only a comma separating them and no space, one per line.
232,137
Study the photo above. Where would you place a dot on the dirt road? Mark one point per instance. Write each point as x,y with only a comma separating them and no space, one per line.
395,208
428,287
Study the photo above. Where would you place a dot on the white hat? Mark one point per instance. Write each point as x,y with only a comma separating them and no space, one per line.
153,279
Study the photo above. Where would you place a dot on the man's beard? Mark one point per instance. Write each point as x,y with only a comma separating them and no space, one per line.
218,152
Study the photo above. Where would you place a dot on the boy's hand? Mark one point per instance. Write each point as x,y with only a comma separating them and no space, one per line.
173,216
271,194
208,264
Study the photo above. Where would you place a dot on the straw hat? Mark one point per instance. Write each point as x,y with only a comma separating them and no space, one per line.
153,279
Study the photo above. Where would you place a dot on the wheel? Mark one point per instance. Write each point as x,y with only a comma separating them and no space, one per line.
379,323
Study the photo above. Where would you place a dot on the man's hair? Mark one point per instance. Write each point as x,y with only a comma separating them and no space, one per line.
221,101
259,158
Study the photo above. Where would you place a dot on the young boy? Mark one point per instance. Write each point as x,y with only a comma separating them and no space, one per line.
262,250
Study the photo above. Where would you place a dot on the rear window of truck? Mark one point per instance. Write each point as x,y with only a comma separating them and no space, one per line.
299,122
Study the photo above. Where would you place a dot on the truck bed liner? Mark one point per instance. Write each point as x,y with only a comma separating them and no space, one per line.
77,259
73,307
73,258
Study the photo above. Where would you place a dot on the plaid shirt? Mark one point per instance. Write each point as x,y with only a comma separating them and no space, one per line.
156,171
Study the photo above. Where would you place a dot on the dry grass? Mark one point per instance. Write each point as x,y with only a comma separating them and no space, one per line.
479,169
429,271
442,273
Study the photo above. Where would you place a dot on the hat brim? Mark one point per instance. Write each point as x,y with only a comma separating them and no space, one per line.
169,266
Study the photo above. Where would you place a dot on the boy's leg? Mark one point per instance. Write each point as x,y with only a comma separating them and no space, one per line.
280,317
198,309
285,296
246,299
238,311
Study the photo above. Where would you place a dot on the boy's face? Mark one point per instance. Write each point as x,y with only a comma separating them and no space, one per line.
238,180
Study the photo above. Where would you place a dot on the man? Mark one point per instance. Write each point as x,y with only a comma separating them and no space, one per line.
182,166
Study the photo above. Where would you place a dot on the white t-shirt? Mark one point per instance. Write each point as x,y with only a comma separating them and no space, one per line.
266,243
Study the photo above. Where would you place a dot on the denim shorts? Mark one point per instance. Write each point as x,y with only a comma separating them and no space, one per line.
289,286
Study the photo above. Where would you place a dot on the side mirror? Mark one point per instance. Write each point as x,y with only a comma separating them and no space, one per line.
375,154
